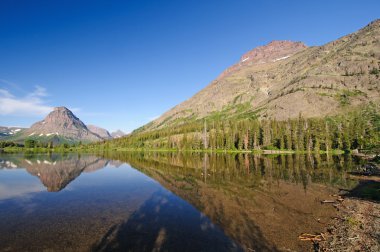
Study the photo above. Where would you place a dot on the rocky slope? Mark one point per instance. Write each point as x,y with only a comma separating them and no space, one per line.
283,79
272,52
103,133
62,123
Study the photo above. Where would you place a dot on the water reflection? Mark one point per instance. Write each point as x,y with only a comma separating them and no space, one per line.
56,175
10,189
169,201
114,208
262,202
56,171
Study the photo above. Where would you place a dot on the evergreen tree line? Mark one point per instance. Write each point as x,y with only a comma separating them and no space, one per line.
9,144
33,143
359,129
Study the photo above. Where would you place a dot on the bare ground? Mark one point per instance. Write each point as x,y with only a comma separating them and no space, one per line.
357,227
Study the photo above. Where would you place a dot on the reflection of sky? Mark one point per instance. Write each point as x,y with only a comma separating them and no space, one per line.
119,189
23,193
109,177
108,197
18,183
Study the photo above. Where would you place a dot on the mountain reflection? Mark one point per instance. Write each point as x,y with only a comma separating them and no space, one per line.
56,171
56,175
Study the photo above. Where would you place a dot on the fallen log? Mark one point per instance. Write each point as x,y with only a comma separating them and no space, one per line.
311,237
364,177
327,201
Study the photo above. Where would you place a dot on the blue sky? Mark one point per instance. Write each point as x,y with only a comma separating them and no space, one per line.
120,64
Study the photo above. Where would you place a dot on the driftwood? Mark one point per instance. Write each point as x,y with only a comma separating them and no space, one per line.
311,237
334,202
365,177
327,201
366,156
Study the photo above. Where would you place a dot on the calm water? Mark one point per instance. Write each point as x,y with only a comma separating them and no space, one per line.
165,202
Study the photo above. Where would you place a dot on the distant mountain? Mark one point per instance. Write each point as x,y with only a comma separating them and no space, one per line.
59,126
63,123
10,131
118,134
103,133
283,79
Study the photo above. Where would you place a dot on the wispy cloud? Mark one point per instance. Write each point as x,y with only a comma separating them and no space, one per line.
5,93
31,104
11,85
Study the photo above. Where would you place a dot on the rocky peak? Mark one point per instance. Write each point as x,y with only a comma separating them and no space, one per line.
62,122
274,51
62,115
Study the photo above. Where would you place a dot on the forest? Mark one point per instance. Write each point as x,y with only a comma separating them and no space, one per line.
359,129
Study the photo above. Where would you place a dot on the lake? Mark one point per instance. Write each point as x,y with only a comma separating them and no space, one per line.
166,201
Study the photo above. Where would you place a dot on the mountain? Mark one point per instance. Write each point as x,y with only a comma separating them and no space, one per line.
284,79
117,134
103,133
59,126
63,123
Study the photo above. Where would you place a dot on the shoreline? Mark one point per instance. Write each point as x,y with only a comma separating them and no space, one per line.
356,227
214,151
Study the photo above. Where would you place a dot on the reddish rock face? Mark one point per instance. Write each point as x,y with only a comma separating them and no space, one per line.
272,52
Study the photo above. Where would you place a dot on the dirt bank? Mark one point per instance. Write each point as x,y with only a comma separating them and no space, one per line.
356,228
